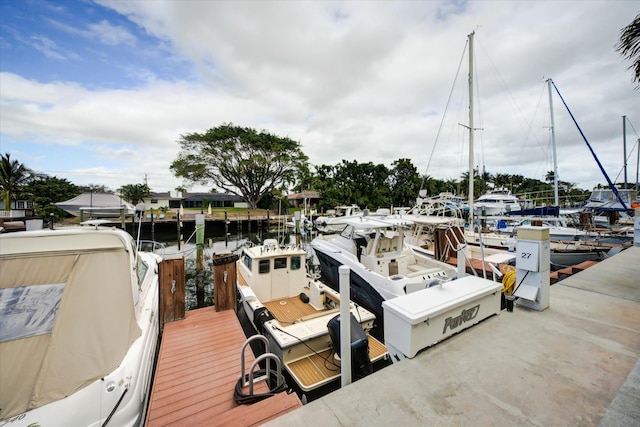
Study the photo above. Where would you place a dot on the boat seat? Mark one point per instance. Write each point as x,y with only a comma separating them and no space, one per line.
384,245
393,244
422,271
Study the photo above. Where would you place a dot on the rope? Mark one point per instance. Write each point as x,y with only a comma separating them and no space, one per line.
508,279
246,399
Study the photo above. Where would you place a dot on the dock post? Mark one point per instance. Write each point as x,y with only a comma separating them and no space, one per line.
178,229
172,289
345,325
224,281
636,228
200,259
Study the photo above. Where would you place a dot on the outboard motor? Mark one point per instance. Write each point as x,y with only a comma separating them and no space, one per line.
361,365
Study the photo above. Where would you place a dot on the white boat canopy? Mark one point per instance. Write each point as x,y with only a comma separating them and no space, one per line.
67,314
97,205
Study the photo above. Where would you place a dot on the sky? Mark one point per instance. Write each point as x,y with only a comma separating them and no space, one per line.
99,92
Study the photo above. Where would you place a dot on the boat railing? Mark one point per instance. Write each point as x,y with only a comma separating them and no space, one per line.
456,235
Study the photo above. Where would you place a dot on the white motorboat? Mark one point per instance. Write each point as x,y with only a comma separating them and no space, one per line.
99,205
381,266
78,327
295,312
496,202
334,219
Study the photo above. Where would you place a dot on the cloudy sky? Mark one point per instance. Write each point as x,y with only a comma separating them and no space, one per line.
99,92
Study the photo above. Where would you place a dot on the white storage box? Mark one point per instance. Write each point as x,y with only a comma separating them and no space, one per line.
420,319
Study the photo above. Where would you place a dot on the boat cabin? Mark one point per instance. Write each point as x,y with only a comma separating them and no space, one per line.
274,272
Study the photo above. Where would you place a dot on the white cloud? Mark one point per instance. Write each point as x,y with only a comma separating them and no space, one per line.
365,81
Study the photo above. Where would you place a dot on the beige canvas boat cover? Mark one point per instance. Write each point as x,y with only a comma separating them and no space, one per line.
66,315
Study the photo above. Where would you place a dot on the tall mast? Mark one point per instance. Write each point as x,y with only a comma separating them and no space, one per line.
471,126
624,148
553,144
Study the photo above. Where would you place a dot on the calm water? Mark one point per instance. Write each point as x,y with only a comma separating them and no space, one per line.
215,244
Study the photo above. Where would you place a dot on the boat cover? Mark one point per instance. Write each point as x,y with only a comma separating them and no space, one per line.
97,204
66,315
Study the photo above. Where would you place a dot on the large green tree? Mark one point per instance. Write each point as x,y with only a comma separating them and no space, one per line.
14,176
239,160
629,46
46,190
404,183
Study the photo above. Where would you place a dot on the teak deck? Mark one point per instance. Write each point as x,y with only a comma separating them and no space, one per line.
318,368
197,371
322,368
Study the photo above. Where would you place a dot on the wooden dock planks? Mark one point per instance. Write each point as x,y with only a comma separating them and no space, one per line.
197,371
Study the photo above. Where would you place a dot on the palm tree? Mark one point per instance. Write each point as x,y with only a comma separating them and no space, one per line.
134,192
13,177
629,46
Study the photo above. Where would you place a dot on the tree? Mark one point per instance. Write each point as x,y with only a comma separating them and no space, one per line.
14,176
239,160
134,193
95,188
45,190
629,46
404,183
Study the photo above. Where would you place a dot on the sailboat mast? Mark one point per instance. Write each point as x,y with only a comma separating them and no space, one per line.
624,148
553,144
471,177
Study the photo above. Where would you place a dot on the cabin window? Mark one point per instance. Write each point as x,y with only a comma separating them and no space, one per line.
248,261
295,262
279,263
346,233
142,270
264,266
29,311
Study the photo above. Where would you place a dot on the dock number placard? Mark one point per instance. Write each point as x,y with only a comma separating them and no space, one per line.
527,256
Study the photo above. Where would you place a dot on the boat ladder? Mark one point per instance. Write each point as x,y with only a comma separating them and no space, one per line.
273,378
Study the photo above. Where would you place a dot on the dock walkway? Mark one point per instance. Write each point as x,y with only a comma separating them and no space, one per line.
574,364
197,371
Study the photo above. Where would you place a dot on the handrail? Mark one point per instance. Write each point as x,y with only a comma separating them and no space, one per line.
249,380
459,246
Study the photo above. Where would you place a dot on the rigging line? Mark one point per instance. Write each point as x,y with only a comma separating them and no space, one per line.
476,80
445,112
528,123
613,187
634,129
626,161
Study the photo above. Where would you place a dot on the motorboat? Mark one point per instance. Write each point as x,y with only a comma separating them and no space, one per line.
496,202
334,219
381,266
78,327
98,205
298,315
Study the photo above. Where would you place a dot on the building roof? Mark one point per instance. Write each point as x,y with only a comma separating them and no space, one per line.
306,194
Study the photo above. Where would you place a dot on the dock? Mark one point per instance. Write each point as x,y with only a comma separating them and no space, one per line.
574,364
198,366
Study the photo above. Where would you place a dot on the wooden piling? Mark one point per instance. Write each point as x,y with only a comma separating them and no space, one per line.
224,281
172,289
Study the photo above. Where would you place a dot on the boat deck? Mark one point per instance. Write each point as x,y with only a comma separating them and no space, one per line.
577,363
292,309
317,368
197,371
321,368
